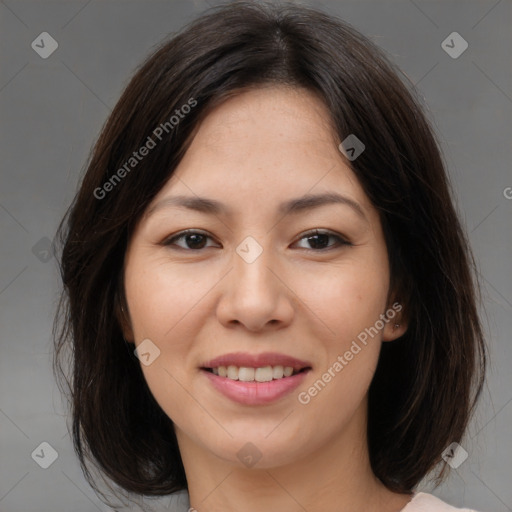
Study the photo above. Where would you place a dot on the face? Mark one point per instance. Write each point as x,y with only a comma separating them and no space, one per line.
263,281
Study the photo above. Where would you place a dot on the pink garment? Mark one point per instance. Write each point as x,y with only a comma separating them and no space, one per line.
423,502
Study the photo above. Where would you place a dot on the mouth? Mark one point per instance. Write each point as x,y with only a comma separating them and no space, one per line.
255,379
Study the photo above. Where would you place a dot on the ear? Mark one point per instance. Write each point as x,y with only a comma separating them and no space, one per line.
123,317
397,322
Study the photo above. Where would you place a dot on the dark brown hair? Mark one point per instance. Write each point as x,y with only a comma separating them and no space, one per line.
427,382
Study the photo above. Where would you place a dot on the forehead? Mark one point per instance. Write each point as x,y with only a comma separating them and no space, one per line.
266,121
263,146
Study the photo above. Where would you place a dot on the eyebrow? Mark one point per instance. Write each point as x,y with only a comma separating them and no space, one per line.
292,206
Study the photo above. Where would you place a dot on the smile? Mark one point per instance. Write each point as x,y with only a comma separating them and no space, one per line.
257,379
247,374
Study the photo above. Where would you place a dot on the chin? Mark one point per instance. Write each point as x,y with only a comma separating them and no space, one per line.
258,448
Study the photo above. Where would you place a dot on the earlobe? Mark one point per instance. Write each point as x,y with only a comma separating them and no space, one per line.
393,330
396,326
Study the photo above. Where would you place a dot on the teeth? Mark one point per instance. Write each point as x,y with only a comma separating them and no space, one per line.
278,372
264,374
245,374
232,372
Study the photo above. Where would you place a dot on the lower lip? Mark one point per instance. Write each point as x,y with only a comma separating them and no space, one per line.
255,393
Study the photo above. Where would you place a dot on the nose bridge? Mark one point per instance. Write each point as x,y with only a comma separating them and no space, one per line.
254,296
251,263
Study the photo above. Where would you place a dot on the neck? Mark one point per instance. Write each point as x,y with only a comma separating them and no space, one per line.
336,477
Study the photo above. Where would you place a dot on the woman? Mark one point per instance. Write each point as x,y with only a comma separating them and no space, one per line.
218,347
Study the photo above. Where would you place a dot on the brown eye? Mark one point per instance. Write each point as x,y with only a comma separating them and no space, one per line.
193,240
319,240
196,240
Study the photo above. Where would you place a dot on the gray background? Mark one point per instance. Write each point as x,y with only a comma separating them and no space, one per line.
51,113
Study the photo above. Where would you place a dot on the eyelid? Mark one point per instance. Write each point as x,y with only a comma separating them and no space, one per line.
322,231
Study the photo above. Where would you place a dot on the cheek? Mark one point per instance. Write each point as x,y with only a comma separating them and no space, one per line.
159,300
164,297
347,302
346,299
167,305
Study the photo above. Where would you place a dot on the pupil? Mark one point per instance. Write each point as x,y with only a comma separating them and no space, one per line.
315,243
193,245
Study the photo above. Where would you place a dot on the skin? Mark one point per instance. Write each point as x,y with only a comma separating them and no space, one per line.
252,152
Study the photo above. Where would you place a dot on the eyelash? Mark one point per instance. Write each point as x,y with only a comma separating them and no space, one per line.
341,240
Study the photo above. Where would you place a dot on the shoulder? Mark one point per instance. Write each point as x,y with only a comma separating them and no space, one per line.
424,502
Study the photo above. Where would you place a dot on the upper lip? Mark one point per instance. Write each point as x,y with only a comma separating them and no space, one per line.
243,359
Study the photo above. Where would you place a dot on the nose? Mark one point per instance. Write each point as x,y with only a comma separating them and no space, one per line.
255,294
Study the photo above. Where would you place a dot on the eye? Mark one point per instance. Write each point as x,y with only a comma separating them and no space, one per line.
193,239
196,240
319,240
